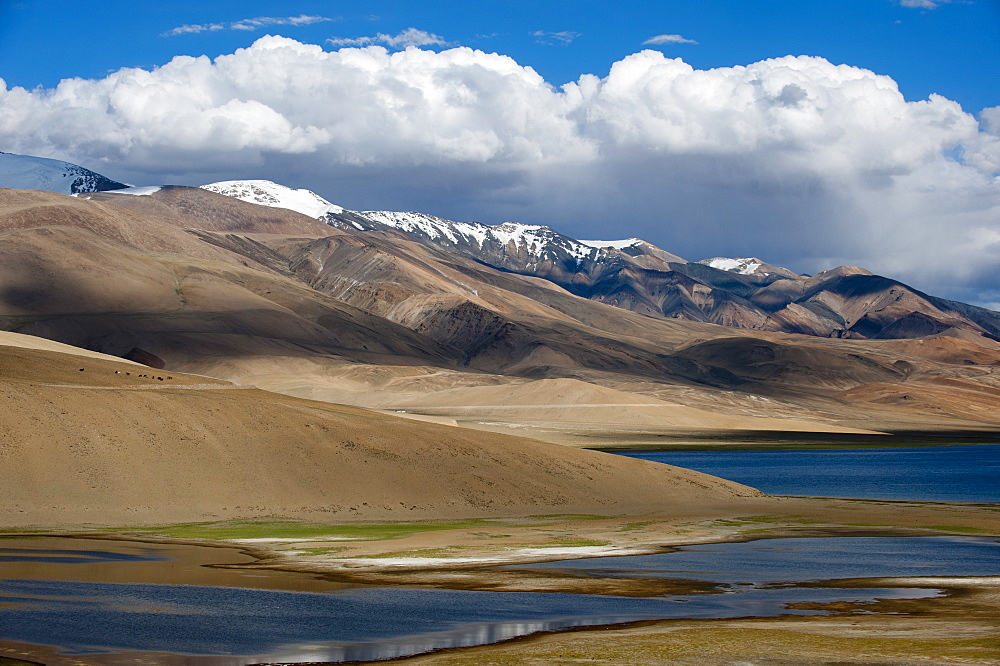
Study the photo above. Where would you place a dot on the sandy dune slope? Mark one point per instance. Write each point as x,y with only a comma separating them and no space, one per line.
8,339
574,403
118,453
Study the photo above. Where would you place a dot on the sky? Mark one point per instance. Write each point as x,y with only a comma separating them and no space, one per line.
809,134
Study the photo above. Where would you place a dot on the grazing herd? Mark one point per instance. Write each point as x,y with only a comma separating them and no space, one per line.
119,372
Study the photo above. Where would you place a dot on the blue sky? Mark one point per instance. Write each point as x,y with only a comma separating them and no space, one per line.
879,146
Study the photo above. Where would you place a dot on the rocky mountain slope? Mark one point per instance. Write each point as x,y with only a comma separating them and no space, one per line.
749,293
483,326
844,302
102,277
376,309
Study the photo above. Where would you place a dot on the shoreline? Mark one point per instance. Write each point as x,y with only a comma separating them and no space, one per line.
972,597
704,641
731,440
972,593
447,558
404,549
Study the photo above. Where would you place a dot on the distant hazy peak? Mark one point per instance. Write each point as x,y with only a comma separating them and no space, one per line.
269,193
25,172
841,271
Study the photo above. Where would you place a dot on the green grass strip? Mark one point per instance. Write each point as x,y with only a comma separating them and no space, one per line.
283,529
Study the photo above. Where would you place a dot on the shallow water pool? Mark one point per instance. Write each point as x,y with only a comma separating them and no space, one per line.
228,624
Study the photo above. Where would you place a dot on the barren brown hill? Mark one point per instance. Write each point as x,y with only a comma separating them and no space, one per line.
99,441
201,209
496,319
204,283
844,302
108,279
553,403
478,316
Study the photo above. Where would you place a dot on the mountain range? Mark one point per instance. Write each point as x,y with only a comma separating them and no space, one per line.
844,302
633,274
495,327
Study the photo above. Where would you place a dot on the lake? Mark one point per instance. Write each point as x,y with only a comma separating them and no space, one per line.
105,601
769,561
938,473
243,620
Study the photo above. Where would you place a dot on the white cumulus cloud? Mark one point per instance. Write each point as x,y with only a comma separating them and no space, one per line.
984,153
795,160
668,39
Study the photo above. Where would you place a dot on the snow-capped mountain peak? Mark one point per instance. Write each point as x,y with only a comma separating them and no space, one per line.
534,241
741,265
747,266
536,238
41,173
510,245
618,245
268,193
426,226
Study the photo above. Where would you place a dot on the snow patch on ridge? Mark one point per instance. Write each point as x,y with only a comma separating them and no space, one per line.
537,241
616,244
434,228
741,265
268,193
138,191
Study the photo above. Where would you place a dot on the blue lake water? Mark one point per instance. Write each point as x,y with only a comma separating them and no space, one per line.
769,561
939,473
367,623
232,625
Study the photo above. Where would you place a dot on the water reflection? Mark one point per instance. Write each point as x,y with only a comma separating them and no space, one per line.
111,561
229,623
59,556
361,624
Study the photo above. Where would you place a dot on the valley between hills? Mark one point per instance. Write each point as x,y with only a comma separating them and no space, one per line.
369,406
